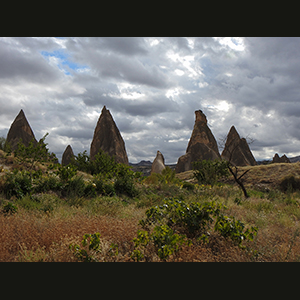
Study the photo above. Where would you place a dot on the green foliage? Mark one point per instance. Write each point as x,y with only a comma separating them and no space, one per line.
209,171
35,152
192,219
167,176
168,227
66,173
90,247
234,229
82,162
163,239
9,209
124,183
18,184
102,164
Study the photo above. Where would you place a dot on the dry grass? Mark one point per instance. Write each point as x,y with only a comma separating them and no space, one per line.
32,236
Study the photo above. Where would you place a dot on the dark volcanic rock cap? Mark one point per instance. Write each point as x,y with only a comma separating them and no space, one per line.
20,129
108,138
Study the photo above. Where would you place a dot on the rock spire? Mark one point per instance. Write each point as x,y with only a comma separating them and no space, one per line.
237,150
20,129
202,145
108,138
282,159
67,156
158,164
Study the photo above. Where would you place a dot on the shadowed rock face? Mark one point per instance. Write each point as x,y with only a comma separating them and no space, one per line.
202,145
67,156
237,150
282,159
158,164
108,138
20,129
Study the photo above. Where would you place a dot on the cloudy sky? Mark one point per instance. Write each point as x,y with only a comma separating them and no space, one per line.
152,87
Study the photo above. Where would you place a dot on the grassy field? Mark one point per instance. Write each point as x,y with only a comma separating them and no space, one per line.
46,224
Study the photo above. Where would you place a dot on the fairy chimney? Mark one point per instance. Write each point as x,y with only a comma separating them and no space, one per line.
202,145
237,150
158,164
67,156
282,159
20,130
108,138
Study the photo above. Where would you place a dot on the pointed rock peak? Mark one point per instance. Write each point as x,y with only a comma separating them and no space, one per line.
200,116
158,164
67,156
202,145
20,129
107,137
232,135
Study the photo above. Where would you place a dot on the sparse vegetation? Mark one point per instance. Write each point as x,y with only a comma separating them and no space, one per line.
55,213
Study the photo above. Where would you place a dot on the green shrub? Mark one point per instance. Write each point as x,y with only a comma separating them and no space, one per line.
163,239
209,171
124,183
189,186
192,219
18,184
91,247
234,229
290,183
9,209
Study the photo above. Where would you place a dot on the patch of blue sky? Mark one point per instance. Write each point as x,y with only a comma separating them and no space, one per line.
63,62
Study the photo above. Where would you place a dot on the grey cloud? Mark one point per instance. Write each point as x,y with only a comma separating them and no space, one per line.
26,66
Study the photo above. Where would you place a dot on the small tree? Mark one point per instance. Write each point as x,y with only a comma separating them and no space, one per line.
234,169
209,171
34,152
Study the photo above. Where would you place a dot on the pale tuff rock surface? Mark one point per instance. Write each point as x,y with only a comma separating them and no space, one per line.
67,156
202,145
282,159
237,150
108,138
158,164
20,129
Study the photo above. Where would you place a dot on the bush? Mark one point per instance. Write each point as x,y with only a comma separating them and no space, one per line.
290,183
124,183
9,209
163,239
18,184
191,219
209,171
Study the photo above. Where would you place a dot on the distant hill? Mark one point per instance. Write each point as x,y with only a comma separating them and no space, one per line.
295,159
142,163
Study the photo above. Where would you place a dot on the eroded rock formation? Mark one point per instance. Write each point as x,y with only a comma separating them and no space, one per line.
282,159
202,145
158,164
108,138
20,129
237,150
67,156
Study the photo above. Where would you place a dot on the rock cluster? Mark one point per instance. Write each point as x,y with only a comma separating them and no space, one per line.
108,138
20,130
202,145
282,159
237,150
67,156
158,164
